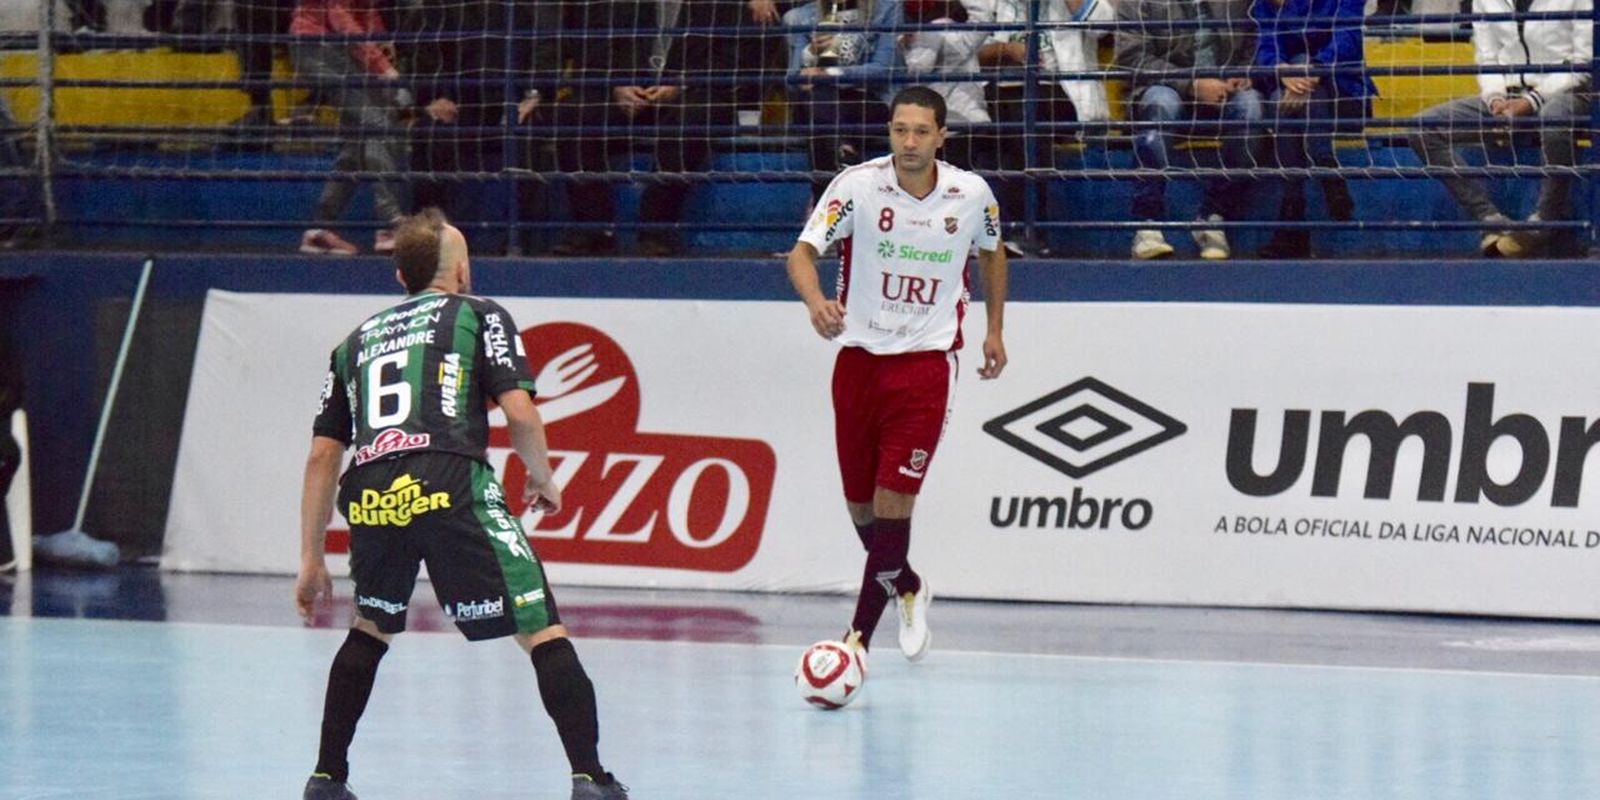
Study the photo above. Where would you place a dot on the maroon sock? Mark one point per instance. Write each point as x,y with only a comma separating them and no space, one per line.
886,567
864,533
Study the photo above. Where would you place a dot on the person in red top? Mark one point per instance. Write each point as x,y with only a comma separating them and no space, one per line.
343,75
905,224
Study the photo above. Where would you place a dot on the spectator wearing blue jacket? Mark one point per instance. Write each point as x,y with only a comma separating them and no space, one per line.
1317,87
840,61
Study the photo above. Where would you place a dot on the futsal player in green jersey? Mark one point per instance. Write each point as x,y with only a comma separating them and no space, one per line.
410,389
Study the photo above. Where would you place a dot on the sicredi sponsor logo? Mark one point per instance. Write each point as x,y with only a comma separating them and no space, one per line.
1478,430
905,252
395,506
392,440
471,611
1077,430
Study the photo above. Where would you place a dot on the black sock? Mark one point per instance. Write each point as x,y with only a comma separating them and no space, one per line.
885,572
349,685
864,533
569,700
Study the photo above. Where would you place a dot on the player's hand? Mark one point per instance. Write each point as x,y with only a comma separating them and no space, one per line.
1211,91
443,110
631,99
663,94
764,12
1497,106
542,494
1299,84
1516,107
313,583
1238,84
526,107
827,317
994,357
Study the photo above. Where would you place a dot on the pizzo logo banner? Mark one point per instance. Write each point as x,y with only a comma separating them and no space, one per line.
632,497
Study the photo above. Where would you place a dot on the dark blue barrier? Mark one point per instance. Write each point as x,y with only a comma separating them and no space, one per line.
68,316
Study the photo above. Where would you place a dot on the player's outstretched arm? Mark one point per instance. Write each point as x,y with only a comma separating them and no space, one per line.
528,439
316,509
992,266
827,316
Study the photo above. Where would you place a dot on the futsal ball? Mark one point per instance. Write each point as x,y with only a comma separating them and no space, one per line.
830,675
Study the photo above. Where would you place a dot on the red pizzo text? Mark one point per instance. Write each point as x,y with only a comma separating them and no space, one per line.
632,498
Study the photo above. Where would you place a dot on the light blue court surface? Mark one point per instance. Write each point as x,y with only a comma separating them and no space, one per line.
704,708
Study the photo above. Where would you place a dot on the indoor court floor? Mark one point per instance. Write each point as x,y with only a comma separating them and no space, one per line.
137,684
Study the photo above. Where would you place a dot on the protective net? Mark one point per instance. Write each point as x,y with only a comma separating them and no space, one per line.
672,119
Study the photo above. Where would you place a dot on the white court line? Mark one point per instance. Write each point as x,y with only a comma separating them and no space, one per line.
961,653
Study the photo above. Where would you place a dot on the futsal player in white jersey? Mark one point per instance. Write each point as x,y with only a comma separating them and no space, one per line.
905,224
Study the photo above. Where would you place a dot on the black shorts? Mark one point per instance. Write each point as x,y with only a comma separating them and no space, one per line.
449,512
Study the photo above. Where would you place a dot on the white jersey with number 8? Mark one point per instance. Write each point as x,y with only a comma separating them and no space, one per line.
903,275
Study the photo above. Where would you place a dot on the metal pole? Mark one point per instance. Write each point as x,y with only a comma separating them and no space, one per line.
1594,130
1030,115
44,126
509,148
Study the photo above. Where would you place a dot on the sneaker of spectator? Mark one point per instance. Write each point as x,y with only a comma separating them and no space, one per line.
1149,244
1213,243
323,242
1522,243
1489,245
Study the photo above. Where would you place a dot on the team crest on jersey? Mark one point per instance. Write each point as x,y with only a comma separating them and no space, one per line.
950,224
919,459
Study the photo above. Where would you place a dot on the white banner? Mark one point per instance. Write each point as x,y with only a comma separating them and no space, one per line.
1322,456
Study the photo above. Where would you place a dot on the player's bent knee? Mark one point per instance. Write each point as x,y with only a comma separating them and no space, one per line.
370,628
528,641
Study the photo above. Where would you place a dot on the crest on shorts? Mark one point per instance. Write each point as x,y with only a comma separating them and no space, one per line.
949,224
919,459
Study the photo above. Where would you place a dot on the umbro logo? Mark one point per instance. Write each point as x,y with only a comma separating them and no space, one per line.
1084,427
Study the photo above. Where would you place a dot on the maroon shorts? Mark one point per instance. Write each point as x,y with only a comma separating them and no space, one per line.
889,413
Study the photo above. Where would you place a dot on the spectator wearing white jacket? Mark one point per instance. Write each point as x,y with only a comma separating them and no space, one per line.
950,54
1502,97
1056,100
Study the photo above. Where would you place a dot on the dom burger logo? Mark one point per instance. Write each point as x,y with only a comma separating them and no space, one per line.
1515,479
397,505
1078,430
695,501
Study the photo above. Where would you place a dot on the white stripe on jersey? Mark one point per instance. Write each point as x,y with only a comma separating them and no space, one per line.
903,276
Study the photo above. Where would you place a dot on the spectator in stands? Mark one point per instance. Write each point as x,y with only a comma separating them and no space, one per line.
1056,101
1153,45
1554,97
20,197
256,20
472,91
839,77
362,83
1319,87
634,44
950,54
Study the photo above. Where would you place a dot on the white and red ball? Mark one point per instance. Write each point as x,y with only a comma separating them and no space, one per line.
830,675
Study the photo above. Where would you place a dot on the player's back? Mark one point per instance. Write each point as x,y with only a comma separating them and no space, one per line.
418,376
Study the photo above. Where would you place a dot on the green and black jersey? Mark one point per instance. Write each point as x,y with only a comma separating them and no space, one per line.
419,376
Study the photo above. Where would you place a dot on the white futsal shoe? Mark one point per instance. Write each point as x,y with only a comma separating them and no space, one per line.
914,634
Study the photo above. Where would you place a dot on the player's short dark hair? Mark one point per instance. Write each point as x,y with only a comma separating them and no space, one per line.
417,240
920,96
